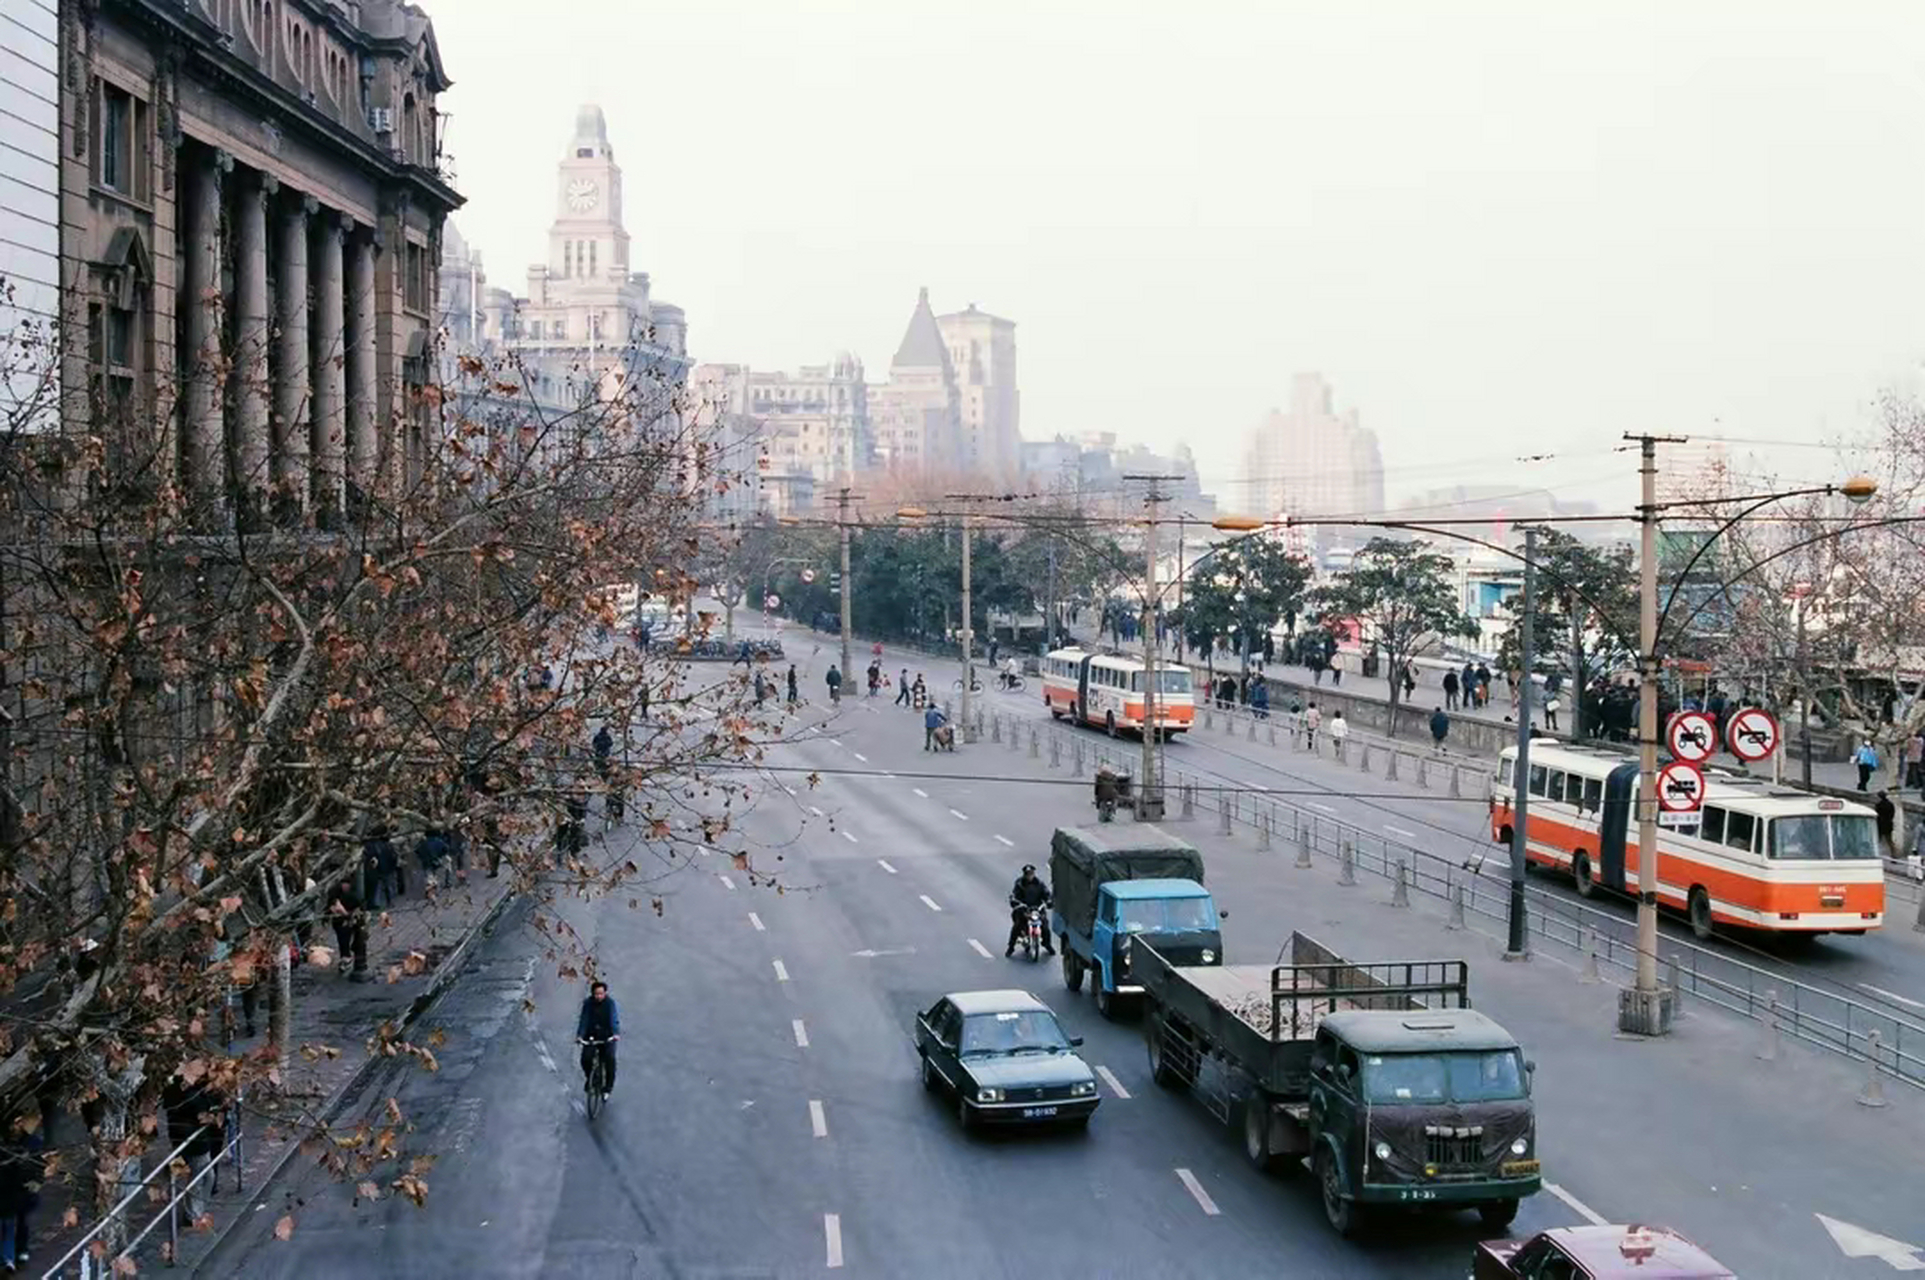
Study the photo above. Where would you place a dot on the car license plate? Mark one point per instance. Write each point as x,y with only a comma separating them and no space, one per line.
1519,1168
1038,1113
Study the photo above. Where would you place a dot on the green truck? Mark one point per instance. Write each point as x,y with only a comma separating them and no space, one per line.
1377,1077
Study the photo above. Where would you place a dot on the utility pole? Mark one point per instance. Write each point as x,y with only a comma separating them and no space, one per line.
1049,599
968,725
1645,1008
842,528
1149,792
1519,947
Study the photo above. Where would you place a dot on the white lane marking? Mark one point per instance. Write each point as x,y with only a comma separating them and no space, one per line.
959,814
815,728
832,1228
981,950
919,791
837,744
786,787
1578,1207
781,971
801,1034
817,1121
861,757
850,836
1400,832
1196,1189
1116,1086
884,864
1320,808
757,922
929,902
817,812
726,882
1891,995
1006,840
541,1048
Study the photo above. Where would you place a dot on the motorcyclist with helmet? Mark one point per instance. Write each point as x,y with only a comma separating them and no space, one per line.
1028,891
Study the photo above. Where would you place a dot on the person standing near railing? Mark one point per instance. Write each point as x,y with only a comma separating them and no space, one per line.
194,1111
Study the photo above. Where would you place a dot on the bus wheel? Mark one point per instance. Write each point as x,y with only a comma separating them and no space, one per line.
1698,907
1581,873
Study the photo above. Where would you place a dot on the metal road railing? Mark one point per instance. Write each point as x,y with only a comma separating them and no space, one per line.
88,1259
1889,1040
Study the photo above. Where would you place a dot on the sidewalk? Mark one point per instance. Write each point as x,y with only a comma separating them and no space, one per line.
415,949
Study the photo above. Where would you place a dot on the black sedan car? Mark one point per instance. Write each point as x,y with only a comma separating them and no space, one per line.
1004,1059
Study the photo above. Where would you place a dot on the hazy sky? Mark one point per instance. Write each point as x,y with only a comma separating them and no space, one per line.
1498,229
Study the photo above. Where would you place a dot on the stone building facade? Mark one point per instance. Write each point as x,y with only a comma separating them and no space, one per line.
982,352
1312,461
29,215
252,203
918,412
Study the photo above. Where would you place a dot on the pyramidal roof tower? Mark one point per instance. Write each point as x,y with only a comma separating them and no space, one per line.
922,344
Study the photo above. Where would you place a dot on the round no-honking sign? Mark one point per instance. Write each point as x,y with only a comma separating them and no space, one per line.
1752,734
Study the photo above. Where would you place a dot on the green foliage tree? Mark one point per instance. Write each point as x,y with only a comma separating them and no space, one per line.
1241,589
1400,592
1586,614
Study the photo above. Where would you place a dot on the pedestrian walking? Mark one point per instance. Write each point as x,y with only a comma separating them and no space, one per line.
1551,707
1483,685
434,857
23,1168
761,689
1439,727
1339,728
1887,825
1312,721
1450,689
794,697
1410,680
744,655
902,689
197,1119
1866,758
1469,691
380,869
1915,761
834,681
875,678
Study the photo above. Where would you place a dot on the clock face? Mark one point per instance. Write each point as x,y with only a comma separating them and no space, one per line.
582,195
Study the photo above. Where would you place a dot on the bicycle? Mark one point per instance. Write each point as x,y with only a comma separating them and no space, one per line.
595,1084
1011,684
975,685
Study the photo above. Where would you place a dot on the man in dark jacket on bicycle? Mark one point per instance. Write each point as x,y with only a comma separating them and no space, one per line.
1028,891
601,1021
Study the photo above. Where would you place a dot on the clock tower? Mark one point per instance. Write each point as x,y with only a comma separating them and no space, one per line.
587,243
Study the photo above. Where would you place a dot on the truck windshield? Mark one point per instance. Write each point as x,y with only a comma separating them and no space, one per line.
991,1035
1393,1078
1165,915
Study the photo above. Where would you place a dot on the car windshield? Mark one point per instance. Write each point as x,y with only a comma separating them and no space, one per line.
1392,1078
997,1034
1819,836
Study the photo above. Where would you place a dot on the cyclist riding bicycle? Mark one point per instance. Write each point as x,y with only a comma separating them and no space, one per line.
1009,673
597,1027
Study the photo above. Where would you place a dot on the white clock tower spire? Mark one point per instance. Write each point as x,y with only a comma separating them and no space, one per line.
587,242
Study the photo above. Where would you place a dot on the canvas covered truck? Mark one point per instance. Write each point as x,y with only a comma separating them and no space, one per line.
1118,887
1377,1076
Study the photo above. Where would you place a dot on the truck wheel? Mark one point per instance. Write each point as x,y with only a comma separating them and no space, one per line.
1581,874
1162,1070
1105,999
1072,966
1344,1215
1497,1214
1256,1134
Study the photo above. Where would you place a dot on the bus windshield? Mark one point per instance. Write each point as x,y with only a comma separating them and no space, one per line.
1824,837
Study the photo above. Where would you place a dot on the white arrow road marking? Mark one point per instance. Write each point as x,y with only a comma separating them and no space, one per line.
1577,1206
1399,832
1116,1086
929,902
1857,1242
1007,841
1196,1189
757,922
959,814
884,864
817,1121
981,950
781,971
801,1034
1891,995
832,1229
726,882
919,791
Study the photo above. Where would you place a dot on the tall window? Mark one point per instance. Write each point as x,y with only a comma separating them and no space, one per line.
591,258
567,258
415,282
120,137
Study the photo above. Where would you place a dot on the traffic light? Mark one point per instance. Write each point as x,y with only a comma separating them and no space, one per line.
835,584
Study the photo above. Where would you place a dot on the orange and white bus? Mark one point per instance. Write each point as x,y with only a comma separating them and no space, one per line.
1107,689
1760,856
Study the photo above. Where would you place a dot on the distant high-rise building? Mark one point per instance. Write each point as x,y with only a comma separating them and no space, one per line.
918,412
1312,461
816,420
982,352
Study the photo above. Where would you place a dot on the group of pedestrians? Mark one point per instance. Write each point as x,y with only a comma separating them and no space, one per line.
1252,691
1470,688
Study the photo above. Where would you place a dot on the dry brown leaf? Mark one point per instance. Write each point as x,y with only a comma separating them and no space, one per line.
284,1229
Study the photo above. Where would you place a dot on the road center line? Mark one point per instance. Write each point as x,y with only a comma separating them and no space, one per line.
1109,1078
884,864
817,1121
817,812
959,814
786,787
1891,995
832,1229
919,791
781,971
801,1034
1578,1207
1320,808
929,902
837,744
1196,1189
757,922
850,836
726,882
981,950
1007,841
861,757
1400,832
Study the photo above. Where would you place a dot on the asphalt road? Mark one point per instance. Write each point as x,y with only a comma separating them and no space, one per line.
769,1121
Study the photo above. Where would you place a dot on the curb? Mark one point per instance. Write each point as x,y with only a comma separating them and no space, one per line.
438,984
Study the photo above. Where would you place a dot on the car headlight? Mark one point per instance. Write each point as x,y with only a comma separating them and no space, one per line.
1520,1145
1082,1089
1382,1150
1209,956
989,1095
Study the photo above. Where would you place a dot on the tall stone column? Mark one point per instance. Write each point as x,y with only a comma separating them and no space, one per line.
293,382
250,357
202,438
364,444
330,372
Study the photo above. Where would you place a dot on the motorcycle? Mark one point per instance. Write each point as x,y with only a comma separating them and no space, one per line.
1033,934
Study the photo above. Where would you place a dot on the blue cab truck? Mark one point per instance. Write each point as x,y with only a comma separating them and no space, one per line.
1120,885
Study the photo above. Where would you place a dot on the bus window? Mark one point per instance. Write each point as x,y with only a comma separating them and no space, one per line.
1712,828
1537,779
1853,838
1804,836
1555,789
1593,795
1738,829
1136,682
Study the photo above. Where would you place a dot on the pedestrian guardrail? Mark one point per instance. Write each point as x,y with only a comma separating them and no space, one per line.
89,1258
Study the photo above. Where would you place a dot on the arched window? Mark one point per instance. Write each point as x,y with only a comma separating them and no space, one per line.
410,127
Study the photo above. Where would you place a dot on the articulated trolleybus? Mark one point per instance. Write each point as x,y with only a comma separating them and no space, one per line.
1759,856
1107,689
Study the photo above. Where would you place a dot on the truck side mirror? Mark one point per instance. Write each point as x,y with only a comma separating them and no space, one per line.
1343,1071
1223,915
1530,1067
1076,1042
